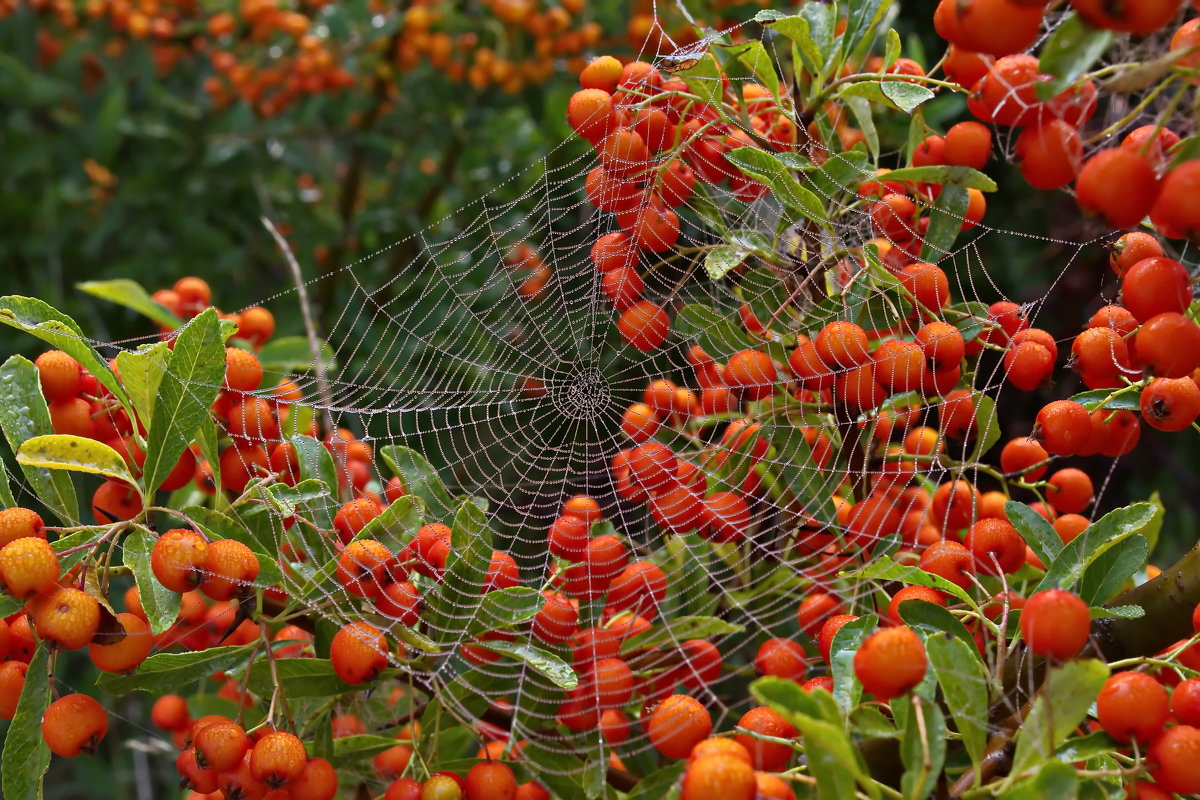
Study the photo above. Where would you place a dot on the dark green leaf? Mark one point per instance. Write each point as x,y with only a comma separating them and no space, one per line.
945,176
884,569
846,688
862,17
964,687
298,677
922,748
168,673
51,325
1069,52
945,223
351,751
788,699
24,415
1035,530
26,756
764,166
293,354
716,333
987,427
1061,704
1054,781
540,660
1103,398
502,608
129,293
160,603
397,524
185,393
931,619
657,784
1069,566
419,479
1112,568
671,632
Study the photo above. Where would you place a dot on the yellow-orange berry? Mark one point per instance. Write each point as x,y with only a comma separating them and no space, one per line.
67,616
18,523
178,559
28,567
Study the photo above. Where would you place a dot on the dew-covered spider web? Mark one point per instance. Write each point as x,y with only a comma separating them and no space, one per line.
490,376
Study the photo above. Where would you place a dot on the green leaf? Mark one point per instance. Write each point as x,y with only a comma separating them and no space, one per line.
1035,530
1124,612
907,96
764,166
454,603
869,721
945,223
1061,705
419,478
846,688
671,632
1154,527
1054,781
964,688
168,673
788,699
6,496
541,661
1069,52
863,16
298,677
76,454
561,772
922,748
753,55
931,619
502,608
860,107
90,535
657,784
1096,398
1112,568
1108,531
397,524
160,603
24,415
722,258
51,325
833,759
716,333
293,354
185,393
298,419
129,293
141,372
703,79
884,569
26,756
812,30
945,176
987,427
352,751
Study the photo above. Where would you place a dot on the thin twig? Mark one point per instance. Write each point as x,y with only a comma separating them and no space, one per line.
310,328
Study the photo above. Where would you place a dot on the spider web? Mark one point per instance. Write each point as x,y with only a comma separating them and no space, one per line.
514,393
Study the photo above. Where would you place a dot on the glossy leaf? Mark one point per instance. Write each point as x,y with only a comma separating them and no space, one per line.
185,393
1038,533
964,688
765,167
1112,568
1069,566
298,677
501,608
419,479
141,372
922,748
129,293
671,632
167,673
160,603
24,415
26,756
1071,50
945,176
538,659
51,325
76,454
723,258
293,354
945,223
1061,705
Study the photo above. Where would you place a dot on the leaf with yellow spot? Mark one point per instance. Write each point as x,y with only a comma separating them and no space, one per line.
76,453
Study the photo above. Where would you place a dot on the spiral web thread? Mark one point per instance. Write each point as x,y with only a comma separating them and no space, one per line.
517,400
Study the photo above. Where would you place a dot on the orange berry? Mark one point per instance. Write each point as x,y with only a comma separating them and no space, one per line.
1055,623
890,662
28,567
18,523
114,501
277,759
178,559
243,371
170,712
1132,705
127,653
74,724
228,568
61,375
66,616
221,746
767,756
359,652
677,724
12,682
718,777
352,517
